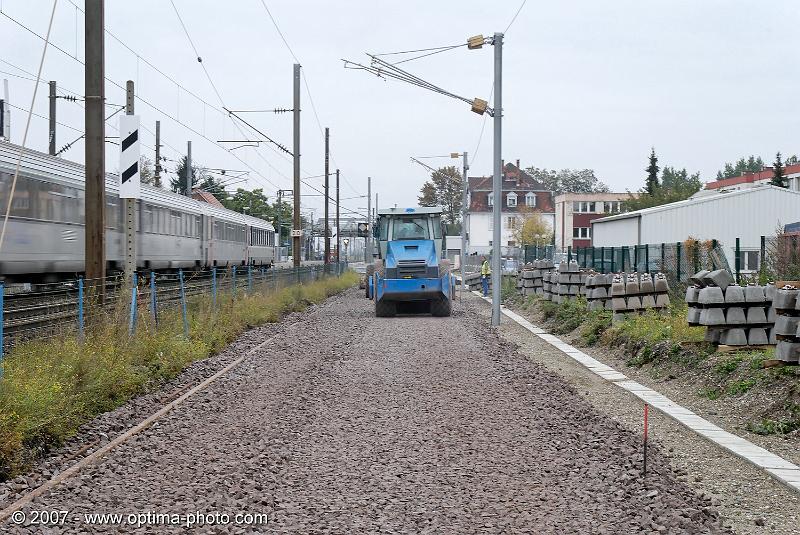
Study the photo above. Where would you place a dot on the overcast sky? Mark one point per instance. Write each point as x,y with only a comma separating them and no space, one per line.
589,83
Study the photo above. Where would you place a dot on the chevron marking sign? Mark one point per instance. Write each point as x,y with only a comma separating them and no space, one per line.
129,153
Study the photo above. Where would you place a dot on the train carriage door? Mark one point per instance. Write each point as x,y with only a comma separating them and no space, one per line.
208,240
248,243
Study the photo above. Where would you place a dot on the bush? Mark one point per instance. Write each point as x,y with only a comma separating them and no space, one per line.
50,387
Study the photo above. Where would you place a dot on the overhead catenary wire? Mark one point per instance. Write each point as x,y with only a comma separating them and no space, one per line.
27,126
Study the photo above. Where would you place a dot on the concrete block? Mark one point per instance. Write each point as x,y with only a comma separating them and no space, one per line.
787,351
771,315
556,298
631,286
595,305
563,278
582,290
712,335
617,287
660,283
734,294
574,267
662,300
648,301
754,294
733,337
697,278
756,316
646,284
692,294
530,274
772,338
618,317
634,303
537,283
712,316
618,303
769,291
572,289
599,292
757,336
786,325
590,280
785,298
609,305
575,278
539,291
735,316
693,316
711,295
527,283
719,277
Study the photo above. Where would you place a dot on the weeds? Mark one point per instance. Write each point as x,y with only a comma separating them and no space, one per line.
740,387
729,365
52,386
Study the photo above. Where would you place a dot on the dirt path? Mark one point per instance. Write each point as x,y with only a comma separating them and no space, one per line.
351,423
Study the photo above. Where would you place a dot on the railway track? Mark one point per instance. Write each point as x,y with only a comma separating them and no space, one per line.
54,309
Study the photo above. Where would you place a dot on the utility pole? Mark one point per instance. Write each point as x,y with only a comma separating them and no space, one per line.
157,171
464,210
497,181
338,227
368,239
189,169
52,151
280,229
130,205
5,109
296,231
327,196
95,197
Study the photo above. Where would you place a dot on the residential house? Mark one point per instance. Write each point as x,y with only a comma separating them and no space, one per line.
575,213
520,193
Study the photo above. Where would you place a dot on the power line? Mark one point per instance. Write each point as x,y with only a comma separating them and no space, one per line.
515,15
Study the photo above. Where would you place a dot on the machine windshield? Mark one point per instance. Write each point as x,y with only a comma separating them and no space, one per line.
410,228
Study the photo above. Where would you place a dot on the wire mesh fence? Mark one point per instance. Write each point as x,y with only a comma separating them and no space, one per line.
58,309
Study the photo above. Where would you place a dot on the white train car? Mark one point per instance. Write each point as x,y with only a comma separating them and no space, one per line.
45,236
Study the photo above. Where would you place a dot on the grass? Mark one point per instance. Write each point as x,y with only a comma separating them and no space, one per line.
51,386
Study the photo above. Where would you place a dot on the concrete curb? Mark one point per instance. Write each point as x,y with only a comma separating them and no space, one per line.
778,467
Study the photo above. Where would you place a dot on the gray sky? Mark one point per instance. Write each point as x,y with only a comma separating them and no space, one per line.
588,83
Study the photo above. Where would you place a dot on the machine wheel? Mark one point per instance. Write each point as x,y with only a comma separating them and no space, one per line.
369,274
384,309
441,307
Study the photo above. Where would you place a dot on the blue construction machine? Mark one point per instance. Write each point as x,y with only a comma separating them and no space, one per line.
411,273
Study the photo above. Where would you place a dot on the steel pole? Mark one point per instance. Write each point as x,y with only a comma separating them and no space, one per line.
52,150
327,197
338,229
368,239
464,210
278,255
95,197
296,153
157,167
497,179
189,169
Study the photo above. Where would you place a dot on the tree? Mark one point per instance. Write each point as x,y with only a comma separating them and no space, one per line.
792,160
750,164
253,203
214,186
676,185
445,189
533,229
568,180
178,183
778,175
651,184
146,170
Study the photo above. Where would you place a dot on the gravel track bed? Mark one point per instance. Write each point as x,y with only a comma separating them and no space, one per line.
351,423
747,498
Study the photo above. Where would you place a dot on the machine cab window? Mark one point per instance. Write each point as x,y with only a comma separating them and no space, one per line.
410,228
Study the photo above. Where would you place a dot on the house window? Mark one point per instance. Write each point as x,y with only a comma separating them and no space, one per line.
511,199
612,207
512,243
588,207
748,260
530,199
581,232
511,222
490,199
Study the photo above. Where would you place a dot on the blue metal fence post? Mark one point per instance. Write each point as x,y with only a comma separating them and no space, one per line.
249,280
233,291
183,305
2,294
214,287
80,309
133,318
153,298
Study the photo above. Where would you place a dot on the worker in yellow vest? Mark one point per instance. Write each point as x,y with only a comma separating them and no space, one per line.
486,272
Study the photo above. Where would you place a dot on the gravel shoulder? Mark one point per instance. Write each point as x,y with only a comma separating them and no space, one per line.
747,498
351,423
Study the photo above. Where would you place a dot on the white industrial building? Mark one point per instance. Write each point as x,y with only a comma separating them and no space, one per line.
746,214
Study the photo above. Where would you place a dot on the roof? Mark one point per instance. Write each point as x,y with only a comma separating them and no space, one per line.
513,179
205,196
607,196
698,200
413,210
764,174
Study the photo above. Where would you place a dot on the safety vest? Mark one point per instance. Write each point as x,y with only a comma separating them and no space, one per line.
485,269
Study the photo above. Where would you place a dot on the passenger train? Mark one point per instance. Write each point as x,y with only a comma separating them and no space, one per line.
45,236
